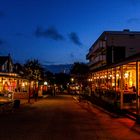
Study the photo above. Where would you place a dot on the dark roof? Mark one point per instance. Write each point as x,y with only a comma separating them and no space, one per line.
102,36
124,32
3,59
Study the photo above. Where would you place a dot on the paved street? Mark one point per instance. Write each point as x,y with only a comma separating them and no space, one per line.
64,118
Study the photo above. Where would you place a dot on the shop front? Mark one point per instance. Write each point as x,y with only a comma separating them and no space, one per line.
14,85
118,84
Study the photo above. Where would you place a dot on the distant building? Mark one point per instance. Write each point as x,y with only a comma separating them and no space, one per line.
112,47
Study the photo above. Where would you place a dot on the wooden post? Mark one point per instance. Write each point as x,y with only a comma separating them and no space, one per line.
121,87
29,92
115,78
137,93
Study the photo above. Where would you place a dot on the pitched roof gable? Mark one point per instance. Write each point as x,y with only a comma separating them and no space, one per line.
3,59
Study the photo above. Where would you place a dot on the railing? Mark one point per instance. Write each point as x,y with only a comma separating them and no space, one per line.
113,97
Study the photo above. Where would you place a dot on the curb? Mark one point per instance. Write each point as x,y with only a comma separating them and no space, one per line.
98,107
32,101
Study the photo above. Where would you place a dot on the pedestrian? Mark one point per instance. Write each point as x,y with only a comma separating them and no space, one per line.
36,93
53,91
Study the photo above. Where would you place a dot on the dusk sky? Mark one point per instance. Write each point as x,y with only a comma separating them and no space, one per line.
61,31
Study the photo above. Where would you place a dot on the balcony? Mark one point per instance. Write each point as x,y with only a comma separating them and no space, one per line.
95,52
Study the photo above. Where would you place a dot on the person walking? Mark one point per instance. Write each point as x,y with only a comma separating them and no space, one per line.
36,93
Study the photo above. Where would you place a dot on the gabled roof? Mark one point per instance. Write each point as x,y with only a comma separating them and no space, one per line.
3,59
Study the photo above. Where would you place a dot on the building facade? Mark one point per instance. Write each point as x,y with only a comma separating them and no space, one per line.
112,47
114,62
11,81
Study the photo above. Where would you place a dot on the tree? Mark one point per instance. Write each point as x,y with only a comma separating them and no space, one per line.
62,79
79,72
49,77
79,68
33,70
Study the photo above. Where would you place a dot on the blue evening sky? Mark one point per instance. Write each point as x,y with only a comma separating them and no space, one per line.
61,31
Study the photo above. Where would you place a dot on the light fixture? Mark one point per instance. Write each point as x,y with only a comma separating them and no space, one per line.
126,75
45,83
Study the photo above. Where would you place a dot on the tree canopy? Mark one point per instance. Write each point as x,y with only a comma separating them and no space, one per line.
33,70
79,68
79,72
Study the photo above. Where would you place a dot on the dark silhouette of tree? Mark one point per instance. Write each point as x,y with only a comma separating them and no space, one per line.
62,79
79,72
49,77
79,68
33,70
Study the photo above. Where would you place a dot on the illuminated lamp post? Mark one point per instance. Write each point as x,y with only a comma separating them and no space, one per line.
90,86
45,83
29,91
72,89
45,87
72,80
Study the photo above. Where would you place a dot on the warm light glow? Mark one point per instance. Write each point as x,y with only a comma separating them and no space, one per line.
9,74
102,77
23,84
113,84
126,75
72,79
77,87
89,80
130,82
45,83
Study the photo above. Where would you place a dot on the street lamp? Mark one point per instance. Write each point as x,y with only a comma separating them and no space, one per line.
72,80
45,83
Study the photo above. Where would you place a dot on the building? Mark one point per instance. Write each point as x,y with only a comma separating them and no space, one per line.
112,47
6,64
114,62
10,80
